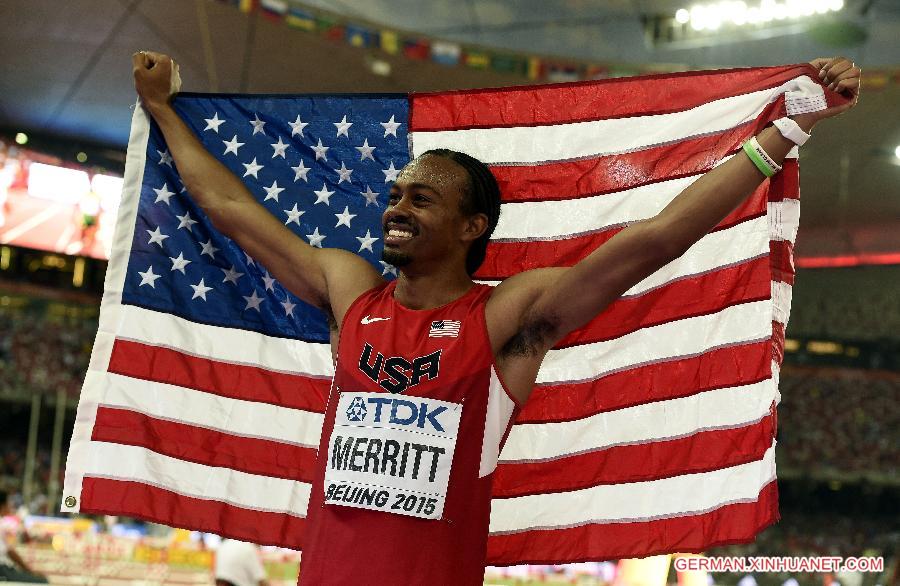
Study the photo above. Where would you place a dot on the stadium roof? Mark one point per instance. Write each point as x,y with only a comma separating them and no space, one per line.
65,70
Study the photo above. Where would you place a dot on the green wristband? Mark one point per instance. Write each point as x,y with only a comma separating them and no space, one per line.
760,163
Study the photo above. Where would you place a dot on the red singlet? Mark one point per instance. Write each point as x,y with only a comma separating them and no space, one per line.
415,422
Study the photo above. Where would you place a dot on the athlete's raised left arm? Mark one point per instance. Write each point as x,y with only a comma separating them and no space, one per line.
553,302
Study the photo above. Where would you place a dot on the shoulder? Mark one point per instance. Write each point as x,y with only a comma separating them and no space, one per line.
522,288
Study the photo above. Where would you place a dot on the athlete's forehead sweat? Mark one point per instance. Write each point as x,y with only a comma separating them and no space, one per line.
440,174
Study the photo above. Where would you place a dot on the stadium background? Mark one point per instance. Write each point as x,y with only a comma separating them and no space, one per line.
65,98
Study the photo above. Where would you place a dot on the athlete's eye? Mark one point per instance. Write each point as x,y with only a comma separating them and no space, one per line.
393,199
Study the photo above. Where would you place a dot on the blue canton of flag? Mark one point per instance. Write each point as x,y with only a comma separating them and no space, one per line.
323,165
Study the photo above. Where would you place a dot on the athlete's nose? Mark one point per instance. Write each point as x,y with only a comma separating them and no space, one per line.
398,213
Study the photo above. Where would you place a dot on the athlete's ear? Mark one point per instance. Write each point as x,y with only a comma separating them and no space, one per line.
475,226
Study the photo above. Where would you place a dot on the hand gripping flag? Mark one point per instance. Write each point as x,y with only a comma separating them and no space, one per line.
649,430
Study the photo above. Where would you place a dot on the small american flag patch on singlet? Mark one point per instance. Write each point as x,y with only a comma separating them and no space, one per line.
445,328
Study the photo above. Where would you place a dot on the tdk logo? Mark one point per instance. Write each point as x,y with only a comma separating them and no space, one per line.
396,374
397,412
357,409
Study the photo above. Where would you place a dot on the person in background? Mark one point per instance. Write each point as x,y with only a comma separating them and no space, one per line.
238,564
12,567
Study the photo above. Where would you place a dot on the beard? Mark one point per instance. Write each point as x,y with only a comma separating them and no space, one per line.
395,258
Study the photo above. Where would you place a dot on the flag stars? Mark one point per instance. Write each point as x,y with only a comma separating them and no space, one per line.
323,195
165,158
179,263
390,174
185,221
156,237
209,249
232,146
288,307
388,268
232,275
252,168
366,242
257,125
344,217
297,126
365,151
272,191
344,173
293,215
213,123
163,194
200,290
148,277
280,147
300,172
269,282
371,196
249,259
390,127
315,239
253,301
343,127
321,151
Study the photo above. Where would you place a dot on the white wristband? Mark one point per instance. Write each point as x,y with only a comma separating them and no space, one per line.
791,131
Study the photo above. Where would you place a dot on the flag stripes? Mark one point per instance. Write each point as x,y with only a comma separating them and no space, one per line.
147,501
649,430
556,140
205,446
700,452
622,172
226,379
723,408
685,337
575,102
731,523
634,501
240,417
126,463
505,259
661,380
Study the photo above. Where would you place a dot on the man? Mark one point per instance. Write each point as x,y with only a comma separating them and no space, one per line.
238,564
12,567
430,369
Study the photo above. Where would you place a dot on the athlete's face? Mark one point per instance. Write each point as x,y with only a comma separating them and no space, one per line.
423,220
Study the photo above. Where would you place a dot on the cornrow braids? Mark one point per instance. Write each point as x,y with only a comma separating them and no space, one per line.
482,196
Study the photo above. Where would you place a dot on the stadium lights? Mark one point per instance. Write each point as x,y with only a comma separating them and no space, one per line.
897,152
738,13
21,138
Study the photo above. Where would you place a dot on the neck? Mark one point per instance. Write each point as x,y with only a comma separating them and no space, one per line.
429,290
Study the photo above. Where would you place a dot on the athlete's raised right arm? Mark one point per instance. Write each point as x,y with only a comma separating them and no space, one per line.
327,278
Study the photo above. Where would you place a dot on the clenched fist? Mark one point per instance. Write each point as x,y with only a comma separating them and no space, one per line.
840,75
156,78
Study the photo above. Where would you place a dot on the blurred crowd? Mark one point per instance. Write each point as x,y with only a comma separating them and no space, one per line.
835,421
858,304
12,471
823,533
42,352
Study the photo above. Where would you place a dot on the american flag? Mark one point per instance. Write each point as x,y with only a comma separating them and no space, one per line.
649,430
445,328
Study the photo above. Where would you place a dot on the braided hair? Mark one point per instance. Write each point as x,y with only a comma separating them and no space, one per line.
482,196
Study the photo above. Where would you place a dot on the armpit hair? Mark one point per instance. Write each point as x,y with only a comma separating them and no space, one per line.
329,317
531,339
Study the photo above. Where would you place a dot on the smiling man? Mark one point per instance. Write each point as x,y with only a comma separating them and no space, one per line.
431,368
